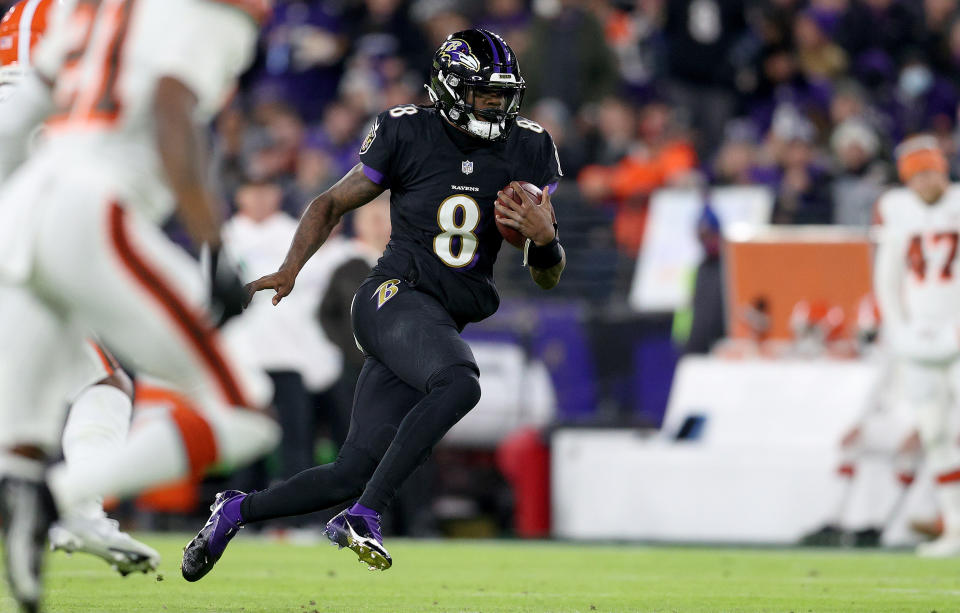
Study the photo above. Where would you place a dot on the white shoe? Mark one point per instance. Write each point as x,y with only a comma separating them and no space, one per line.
101,536
943,547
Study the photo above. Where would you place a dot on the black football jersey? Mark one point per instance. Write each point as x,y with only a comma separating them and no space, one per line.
443,184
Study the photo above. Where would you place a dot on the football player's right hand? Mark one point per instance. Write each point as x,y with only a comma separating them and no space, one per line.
281,282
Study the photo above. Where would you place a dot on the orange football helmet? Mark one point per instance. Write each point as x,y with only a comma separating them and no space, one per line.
20,29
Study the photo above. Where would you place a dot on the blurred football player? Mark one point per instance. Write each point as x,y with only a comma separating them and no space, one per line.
99,416
444,165
918,289
80,242
879,455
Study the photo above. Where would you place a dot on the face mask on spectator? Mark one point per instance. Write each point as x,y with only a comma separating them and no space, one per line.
915,81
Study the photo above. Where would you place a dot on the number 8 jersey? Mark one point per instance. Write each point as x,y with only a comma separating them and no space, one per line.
917,274
443,184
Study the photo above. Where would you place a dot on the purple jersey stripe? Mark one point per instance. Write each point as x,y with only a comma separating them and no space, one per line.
374,175
493,45
550,188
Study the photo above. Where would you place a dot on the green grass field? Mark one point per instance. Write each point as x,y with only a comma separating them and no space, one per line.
491,577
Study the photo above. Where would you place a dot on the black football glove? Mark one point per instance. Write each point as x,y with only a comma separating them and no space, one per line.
226,289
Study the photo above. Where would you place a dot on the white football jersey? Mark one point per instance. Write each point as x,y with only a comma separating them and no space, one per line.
116,52
925,237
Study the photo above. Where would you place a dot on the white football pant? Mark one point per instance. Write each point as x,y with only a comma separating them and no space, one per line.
932,392
96,264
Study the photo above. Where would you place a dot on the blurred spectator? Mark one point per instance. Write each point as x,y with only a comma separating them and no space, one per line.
555,119
661,157
803,188
829,13
818,56
382,29
921,100
938,21
739,161
349,261
861,176
227,164
439,19
953,51
633,32
848,102
304,45
781,84
284,340
876,32
271,146
338,136
567,57
317,171
613,124
773,21
707,319
508,18
700,40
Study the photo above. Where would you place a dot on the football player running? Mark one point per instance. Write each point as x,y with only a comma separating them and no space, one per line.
918,289
80,242
99,416
444,166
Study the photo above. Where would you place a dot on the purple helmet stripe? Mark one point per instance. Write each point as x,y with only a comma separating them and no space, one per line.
503,47
509,65
493,45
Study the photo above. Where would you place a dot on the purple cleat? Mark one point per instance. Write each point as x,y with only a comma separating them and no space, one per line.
200,554
358,529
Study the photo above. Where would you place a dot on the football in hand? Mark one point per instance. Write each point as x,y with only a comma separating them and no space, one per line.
509,234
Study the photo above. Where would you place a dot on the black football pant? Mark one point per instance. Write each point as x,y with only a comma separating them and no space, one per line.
419,378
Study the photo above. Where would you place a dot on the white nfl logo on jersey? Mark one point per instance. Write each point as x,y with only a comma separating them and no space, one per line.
467,167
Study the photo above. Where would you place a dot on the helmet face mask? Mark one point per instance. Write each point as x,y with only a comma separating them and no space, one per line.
475,82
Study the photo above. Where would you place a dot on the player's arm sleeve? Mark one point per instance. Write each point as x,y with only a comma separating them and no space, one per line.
378,150
21,113
888,273
551,173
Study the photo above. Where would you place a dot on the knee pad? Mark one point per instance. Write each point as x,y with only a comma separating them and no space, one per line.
461,382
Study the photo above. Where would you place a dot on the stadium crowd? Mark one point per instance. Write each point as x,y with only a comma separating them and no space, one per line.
807,98
804,96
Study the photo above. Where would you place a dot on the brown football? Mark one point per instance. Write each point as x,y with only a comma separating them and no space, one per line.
509,234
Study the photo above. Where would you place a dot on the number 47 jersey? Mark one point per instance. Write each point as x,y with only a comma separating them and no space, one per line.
925,239
443,184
